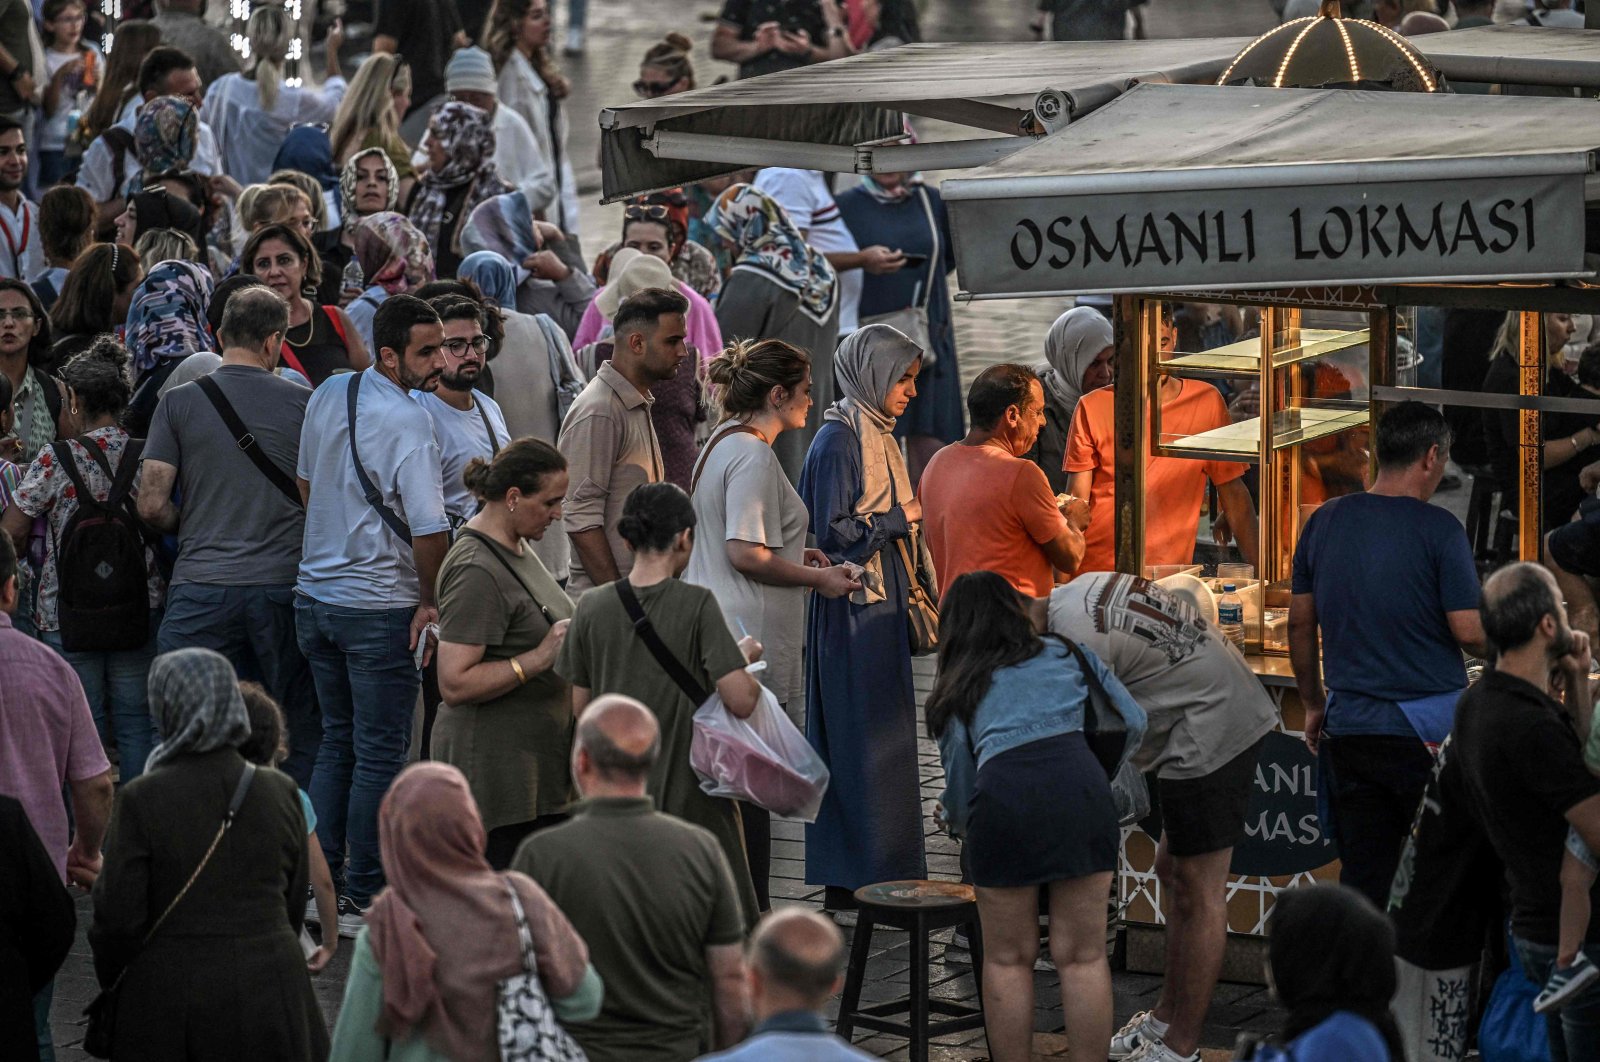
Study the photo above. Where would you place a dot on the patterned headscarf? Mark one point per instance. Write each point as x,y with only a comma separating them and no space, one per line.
766,241
392,253
348,182
308,150
504,225
167,317
195,701
164,139
466,134
493,275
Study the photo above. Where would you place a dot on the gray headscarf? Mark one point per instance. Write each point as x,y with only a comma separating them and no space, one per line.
1069,349
195,701
867,364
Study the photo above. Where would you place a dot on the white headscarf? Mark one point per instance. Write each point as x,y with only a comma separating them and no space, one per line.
195,701
867,364
1074,341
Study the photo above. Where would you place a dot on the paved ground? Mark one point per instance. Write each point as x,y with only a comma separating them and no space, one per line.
986,332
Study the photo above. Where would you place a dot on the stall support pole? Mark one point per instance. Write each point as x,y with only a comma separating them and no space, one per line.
1135,388
1530,361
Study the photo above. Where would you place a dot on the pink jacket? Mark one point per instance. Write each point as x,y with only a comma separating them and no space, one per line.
704,334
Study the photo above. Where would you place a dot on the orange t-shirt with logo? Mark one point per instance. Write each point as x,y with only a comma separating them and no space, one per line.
1175,487
983,509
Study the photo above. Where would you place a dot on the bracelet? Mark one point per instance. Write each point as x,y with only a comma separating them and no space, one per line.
522,676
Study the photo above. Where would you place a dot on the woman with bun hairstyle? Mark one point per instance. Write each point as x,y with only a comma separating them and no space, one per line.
604,653
506,721
752,551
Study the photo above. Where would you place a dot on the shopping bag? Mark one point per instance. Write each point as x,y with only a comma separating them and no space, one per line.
1510,1030
763,760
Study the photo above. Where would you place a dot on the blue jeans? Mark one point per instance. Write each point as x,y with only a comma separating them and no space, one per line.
1574,1030
117,687
254,627
367,684
41,1022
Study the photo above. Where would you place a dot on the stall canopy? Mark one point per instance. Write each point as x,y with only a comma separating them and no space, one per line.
829,116
1175,187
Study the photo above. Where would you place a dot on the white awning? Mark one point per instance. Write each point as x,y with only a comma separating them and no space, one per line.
1174,187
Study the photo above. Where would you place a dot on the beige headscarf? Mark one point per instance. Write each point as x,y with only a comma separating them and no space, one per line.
867,364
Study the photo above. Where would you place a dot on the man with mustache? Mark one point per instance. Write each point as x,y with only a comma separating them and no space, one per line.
376,533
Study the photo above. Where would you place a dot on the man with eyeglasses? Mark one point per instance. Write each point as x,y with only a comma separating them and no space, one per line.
466,422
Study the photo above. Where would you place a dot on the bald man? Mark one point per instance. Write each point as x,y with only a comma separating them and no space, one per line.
650,894
796,964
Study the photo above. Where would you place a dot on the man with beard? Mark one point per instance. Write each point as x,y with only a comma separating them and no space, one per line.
608,439
466,422
1525,776
376,533
22,253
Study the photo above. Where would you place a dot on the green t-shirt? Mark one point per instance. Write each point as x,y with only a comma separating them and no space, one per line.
648,893
514,749
603,655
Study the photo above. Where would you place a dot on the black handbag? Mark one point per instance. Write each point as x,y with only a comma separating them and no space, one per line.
100,1033
1103,726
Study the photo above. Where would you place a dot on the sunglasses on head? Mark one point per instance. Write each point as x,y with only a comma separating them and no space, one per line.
645,212
650,89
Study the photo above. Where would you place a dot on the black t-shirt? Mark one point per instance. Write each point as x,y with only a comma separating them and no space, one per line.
1447,890
426,30
794,15
1523,768
1561,490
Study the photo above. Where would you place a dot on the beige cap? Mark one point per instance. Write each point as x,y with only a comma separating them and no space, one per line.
631,272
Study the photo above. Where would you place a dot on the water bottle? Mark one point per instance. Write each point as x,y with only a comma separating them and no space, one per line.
1230,616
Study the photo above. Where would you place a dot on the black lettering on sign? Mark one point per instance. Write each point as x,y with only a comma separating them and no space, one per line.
1371,219
1342,235
1026,255
1467,229
1222,240
1150,241
1093,248
1498,219
1420,240
1300,252
1181,234
1059,233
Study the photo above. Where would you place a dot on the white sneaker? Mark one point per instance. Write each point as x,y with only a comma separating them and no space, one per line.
1133,1036
574,45
1156,1051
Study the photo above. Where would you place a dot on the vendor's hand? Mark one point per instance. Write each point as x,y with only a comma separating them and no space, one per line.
424,615
837,581
879,260
913,511
1221,530
546,265
1589,478
1314,720
815,558
323,955
791,43
544,655
1076,510
751,649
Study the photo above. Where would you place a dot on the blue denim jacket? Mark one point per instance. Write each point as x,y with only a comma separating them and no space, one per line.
1041,697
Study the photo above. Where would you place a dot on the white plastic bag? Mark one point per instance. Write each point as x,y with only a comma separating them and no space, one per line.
763,760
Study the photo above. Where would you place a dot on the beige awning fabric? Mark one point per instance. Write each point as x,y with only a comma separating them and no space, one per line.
1523,55
989,87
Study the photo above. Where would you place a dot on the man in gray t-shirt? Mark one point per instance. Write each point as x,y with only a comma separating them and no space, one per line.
239,529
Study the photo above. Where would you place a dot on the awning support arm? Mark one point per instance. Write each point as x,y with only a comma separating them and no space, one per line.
831,158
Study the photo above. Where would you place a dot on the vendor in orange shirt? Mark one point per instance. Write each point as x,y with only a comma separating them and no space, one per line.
1175,487
986,507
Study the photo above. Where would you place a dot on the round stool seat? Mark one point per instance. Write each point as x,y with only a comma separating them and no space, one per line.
916,894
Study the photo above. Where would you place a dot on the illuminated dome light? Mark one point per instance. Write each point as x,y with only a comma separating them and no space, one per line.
1327,51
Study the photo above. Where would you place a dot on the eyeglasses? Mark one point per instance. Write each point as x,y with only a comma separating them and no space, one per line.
651,89
645,212
457,348
21,314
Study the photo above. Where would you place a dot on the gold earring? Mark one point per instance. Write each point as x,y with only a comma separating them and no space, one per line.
511,506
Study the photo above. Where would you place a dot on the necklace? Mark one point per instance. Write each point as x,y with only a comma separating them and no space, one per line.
310,328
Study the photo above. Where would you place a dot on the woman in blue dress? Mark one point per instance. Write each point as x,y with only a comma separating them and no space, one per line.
897,210
861,712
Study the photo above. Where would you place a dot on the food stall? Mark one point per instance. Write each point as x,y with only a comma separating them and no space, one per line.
1331,219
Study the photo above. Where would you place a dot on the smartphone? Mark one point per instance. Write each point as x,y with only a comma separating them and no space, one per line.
915,261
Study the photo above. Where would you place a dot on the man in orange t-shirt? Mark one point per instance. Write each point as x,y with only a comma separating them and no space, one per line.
1175,487
985,506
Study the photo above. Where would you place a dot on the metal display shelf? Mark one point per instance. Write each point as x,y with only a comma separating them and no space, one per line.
1242,441
1244,357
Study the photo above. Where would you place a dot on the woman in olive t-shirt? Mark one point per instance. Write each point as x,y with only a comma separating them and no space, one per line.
506,722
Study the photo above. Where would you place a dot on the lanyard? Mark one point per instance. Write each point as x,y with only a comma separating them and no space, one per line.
16,248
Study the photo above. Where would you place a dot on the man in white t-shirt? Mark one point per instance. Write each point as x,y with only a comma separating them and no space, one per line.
1208,716
805,197
466,422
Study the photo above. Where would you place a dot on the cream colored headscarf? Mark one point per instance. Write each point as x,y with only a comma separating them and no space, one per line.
867,364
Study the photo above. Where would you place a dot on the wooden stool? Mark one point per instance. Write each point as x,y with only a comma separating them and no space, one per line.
919,908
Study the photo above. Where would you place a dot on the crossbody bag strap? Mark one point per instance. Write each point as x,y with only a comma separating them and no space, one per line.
549,617
658,649
933,259
247,442
369,490
699,465
494,440
530,960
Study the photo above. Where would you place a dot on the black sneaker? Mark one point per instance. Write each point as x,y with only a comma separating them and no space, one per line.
352,917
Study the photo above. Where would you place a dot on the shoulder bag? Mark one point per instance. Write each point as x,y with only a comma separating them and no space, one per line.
528,1030
912,321
369,490
1106,731
494,550
922,606
247,442
658,649
100,1033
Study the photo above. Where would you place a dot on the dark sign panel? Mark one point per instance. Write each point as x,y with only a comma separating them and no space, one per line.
1281,833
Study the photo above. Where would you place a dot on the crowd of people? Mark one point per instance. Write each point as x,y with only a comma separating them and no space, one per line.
325,449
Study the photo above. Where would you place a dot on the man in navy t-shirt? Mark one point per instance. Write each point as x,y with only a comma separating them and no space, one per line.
1390,583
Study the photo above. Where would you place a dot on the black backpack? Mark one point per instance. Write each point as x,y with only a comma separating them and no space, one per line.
103,601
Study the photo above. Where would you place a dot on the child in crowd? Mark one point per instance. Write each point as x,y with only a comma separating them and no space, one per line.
71,68
267,747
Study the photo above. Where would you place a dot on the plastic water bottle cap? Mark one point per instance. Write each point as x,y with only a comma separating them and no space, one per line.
1227,588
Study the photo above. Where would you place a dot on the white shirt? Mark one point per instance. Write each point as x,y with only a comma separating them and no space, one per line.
362,309
462,436
522,90
517,158
351,558
804,196
251,136
96,173
21,246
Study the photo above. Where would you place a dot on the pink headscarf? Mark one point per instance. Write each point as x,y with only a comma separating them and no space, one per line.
443,931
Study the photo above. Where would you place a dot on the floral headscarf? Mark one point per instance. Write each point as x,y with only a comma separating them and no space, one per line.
393,253
348,181
195,701
167,317
466,134
308,150
504,225
494,276
164,139
766,241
